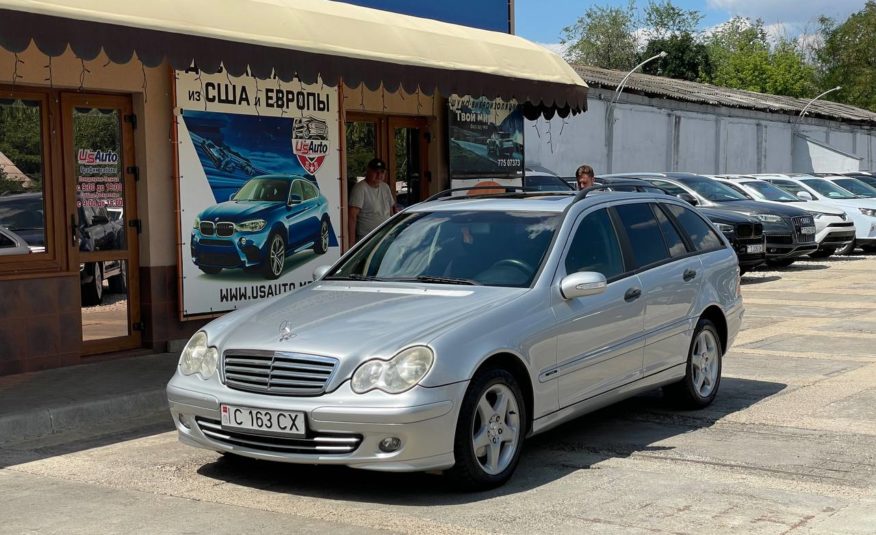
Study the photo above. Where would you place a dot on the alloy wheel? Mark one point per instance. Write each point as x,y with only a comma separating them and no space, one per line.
324,236
704,361
277,255
496,429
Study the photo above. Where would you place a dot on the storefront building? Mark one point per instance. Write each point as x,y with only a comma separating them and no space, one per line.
156,160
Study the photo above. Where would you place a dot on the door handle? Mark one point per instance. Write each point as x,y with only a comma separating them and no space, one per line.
632,294
74,236
689,275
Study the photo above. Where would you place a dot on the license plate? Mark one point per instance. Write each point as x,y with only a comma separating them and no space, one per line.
264,420
754,248
808,230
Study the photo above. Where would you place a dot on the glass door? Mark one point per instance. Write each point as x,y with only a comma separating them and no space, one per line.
102,221
408,159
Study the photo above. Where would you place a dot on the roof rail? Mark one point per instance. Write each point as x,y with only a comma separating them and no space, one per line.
607,186
509,190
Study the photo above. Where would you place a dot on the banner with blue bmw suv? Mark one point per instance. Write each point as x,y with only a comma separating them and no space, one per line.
259,195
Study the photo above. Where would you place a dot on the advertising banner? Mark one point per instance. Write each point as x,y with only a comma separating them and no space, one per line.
259,191
486,138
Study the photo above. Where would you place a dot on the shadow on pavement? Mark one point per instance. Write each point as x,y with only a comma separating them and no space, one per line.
796,266
759,280
633,426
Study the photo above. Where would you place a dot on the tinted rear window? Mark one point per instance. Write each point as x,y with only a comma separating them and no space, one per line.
702,235
644,233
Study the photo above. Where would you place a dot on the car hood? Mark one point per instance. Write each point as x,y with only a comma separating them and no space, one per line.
850,203
813,206
237,211
755,207
354,321
728,217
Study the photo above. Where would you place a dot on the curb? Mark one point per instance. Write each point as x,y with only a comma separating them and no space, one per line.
92,414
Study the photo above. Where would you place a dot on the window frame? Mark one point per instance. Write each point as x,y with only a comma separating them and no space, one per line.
625,258
53,259
686,237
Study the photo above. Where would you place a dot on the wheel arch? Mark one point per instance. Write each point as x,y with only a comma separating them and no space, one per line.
514,365
714,314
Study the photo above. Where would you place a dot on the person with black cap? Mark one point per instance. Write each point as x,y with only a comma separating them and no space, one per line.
371,202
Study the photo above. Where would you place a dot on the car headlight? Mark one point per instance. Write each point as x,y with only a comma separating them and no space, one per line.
251,226
868,211
768,218
198,357
723,227
396,375
197,224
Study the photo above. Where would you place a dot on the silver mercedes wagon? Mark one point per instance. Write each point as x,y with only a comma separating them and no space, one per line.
462,326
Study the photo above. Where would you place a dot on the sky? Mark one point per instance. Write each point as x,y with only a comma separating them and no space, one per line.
542,21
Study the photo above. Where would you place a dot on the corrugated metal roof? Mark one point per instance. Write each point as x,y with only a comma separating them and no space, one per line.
647,84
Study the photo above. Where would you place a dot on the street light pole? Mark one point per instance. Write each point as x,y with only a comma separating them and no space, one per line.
802,113
609,112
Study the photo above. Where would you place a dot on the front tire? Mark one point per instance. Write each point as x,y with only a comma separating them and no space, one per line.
847,250
490,430
210,270
783,263
275,260
703,371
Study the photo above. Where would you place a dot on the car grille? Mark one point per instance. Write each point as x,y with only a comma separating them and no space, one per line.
224,229
217,243
277,373
227,260
314,443
749,230
784,239
207,228
847,224
803,221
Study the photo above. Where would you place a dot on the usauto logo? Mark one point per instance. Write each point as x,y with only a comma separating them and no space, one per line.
89,156
309,142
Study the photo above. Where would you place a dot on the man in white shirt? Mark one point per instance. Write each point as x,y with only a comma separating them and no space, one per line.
371,201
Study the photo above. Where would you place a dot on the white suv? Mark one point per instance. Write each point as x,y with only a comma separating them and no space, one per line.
834,229
861,211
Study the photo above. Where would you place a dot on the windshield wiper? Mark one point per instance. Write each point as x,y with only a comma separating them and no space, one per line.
352,277
439,280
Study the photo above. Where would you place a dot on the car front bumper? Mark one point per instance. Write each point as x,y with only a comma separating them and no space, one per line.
424,419
234,251
782,246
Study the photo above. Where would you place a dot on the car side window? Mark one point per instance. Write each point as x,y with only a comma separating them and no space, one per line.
670,234
702,235
297,190
6,242
309,191
668,187
595,247
643,232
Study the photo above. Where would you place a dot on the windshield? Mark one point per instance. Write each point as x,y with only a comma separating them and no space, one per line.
713,190
856,186
460,247
264,189
828,189
767,191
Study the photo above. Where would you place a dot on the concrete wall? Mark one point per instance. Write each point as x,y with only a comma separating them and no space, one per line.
653,134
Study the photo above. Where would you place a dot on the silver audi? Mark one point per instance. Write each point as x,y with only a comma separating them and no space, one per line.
463,326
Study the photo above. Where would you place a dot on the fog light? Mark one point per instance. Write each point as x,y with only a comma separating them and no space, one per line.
242,242
182,422
390,444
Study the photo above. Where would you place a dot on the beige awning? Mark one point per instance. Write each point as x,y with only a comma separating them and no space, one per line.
304,37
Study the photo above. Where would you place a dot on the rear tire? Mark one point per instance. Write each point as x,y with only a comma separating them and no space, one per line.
209,270
321,244
490,430
92,292
702,376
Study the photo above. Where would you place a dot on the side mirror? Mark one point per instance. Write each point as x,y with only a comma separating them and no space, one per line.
582,284
688,198
294,199
805,195
320,272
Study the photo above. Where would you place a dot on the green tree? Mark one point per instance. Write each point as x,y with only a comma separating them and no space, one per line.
743,58
603,37
664,19
847,57
686,58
